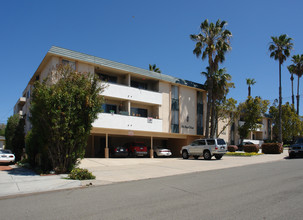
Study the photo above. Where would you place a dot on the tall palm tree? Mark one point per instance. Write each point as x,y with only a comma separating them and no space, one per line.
280,48
297,68
212,42
250,82
154,68
291,71
221,85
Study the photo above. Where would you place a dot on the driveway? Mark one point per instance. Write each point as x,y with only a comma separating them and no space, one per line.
127,169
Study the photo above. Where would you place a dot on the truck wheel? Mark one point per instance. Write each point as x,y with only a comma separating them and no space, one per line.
218,157
206,155
185,154
196,157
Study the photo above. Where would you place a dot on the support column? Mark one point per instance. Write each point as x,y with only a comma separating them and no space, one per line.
93,146
151,152
106,153
129,108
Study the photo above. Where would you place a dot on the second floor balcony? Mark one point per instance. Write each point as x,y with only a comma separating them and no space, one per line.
125,122
133,94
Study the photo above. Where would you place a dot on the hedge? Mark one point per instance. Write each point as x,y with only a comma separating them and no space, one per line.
272,148
251,148
232,148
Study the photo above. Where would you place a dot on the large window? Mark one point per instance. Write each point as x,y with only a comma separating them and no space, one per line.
200,113
107,78
140,112
72,64
109,108
139,85
175,109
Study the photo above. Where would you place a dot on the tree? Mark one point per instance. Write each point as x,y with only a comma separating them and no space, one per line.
250,82
297,68
63,108
251,112
291,71
2,129
212,42
291,124
227,113
14,135
154,68
280,48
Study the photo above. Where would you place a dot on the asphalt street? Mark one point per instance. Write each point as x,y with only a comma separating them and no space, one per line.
261,191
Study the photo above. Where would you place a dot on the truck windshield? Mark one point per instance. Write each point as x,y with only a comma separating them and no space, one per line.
299,141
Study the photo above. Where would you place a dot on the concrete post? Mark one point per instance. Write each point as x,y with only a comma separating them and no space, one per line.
151,152
106,150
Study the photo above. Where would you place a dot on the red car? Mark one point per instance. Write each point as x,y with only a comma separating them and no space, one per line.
136,149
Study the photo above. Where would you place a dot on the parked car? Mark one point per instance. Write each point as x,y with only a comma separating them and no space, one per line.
136,149
162,152
120,151
296,149
206,148
6,156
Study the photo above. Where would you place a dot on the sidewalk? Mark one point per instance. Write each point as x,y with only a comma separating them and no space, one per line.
15,181
18,181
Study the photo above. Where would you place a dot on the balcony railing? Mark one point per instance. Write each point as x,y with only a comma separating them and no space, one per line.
132,94
115,121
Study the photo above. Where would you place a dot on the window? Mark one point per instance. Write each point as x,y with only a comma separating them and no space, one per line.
200,113
211,142
201,142
139,85
140,112
72,64
175,109
28,94
108,108
107,78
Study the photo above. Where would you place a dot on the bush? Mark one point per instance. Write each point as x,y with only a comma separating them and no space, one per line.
272,148
232,148
251,148
81,174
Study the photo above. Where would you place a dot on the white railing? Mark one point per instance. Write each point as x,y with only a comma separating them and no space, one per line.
132,94
125,122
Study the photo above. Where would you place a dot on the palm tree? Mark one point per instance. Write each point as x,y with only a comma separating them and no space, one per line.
291,71
212,42
280,48
221,85
154,68
250,82
297,68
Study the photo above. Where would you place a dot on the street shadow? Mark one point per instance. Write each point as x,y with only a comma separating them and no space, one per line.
298,157
20,171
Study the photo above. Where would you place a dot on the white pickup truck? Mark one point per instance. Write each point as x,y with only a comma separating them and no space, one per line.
206,148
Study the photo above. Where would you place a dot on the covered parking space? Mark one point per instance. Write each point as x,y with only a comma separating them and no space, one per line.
101,139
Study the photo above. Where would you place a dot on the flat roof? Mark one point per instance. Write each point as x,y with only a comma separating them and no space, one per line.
58,51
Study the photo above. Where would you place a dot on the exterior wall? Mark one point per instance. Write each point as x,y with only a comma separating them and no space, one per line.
83,67
226,133
188,110
164,109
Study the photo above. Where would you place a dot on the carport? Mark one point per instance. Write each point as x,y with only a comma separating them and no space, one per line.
101,139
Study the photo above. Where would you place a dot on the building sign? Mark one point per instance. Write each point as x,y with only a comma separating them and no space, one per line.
149,120
187,126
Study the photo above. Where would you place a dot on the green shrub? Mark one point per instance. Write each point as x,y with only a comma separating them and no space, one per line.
251,148
272,148
81,174
232,148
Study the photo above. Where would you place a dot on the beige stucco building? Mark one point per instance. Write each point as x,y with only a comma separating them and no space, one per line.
140,105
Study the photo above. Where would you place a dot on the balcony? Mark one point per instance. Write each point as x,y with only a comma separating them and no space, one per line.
132,94
125,122
260,128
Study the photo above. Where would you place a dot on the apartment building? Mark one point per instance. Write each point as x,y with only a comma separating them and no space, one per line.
231,134
140,105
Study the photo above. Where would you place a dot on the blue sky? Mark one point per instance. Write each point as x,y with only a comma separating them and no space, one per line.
139,33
